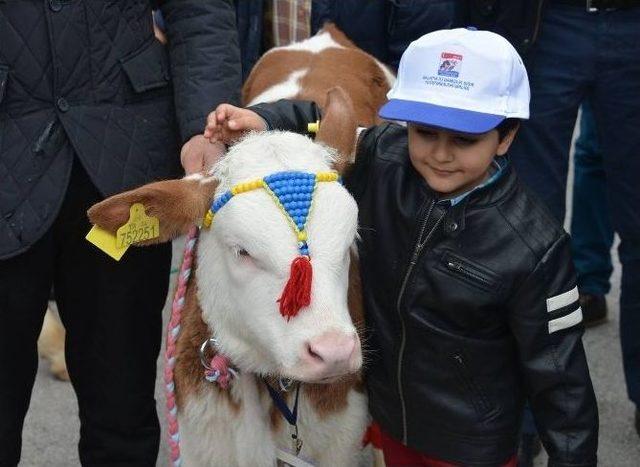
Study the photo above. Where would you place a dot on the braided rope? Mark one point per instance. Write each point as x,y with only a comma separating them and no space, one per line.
173,329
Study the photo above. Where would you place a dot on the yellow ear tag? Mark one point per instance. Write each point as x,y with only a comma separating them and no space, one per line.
138,228
106,241
313,127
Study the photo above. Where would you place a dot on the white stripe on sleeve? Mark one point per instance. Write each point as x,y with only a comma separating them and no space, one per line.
564,299
566,321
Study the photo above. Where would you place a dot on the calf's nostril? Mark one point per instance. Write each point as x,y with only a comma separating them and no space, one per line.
315,355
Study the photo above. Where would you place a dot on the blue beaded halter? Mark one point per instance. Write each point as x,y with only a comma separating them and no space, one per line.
293,194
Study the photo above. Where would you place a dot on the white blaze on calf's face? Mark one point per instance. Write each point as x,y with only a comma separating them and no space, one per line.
244,262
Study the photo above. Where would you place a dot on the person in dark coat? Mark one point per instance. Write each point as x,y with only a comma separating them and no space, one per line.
91,104
590,52
385,28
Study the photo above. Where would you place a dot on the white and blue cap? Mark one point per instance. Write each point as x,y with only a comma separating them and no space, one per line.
459,79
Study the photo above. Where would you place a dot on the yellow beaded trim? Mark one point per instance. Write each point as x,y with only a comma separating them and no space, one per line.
260,183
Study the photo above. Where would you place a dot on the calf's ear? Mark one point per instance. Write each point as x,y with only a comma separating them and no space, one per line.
338,126
178,205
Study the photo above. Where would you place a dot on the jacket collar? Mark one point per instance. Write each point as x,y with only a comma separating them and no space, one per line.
479,198
497,169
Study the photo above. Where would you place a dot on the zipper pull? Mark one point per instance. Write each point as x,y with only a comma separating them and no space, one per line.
414,258
458,358
455,266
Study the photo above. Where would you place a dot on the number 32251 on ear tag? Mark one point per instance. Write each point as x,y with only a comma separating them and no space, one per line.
138,228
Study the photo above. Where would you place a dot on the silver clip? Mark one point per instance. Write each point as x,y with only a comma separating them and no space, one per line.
285,384
213,344
591,8
297,442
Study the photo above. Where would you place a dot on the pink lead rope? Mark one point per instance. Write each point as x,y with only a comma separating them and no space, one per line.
173,329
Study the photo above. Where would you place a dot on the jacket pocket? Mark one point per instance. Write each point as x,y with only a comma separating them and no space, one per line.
148,67
470,273
4,77
484,407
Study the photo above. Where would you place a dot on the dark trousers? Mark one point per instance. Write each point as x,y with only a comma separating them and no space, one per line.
594,56
112,314
591,230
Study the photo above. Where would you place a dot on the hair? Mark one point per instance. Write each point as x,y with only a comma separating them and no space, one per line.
506,126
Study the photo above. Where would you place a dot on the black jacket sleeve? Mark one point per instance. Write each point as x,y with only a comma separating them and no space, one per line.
545,318
205,58
288,115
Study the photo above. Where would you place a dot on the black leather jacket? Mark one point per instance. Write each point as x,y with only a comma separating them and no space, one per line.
471,309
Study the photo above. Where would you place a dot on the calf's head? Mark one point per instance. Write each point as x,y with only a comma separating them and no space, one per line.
245,260
245,257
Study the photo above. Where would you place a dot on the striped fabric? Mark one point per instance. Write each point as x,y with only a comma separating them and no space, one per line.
573,315
565,322
562,300
291,21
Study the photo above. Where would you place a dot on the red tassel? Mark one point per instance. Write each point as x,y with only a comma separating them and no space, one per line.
297,292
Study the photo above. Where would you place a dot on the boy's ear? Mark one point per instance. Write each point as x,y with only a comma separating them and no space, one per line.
506,141
178,205
338,126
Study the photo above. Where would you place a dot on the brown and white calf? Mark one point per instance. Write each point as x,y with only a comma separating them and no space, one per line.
243,262
307,70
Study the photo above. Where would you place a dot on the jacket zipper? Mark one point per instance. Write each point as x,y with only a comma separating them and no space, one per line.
414,259
458,267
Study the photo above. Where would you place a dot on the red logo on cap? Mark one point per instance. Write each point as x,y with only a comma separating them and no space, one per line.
449,64
449,55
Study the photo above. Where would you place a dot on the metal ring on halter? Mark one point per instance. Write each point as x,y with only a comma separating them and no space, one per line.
213,343
203,351
285,384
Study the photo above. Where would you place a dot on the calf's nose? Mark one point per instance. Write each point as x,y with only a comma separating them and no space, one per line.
333,353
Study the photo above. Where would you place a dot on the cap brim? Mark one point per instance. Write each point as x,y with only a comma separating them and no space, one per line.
465,121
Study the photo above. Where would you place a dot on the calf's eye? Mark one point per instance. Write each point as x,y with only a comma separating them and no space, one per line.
240,252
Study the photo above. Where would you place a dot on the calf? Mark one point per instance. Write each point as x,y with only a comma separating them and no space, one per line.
307,70
242,264
245,260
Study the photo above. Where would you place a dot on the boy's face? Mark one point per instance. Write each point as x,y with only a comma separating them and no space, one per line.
452,163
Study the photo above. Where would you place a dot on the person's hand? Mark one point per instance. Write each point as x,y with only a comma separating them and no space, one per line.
228,123
199,154
159,33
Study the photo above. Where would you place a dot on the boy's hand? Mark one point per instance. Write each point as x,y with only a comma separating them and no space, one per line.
228,123
199,155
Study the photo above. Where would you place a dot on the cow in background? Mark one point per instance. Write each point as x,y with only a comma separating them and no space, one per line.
307,70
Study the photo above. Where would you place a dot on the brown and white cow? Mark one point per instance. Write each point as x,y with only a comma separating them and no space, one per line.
243,262
51,344
307,70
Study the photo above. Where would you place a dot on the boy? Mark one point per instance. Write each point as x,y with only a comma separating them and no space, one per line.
469,287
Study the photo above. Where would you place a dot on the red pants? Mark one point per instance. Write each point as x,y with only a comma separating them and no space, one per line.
397,454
